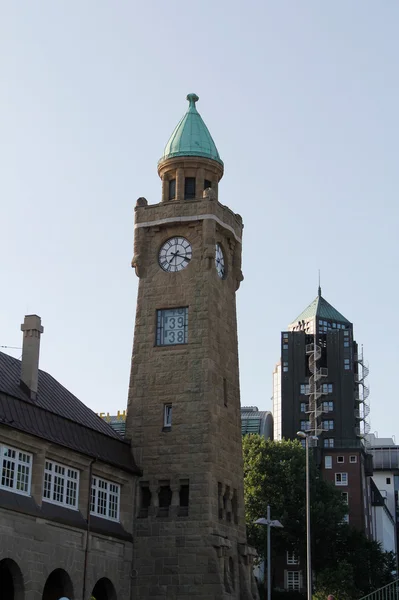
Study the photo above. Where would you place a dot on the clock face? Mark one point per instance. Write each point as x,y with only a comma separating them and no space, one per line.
219,262
175,254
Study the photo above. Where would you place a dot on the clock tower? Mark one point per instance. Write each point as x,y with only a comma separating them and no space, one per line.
183,414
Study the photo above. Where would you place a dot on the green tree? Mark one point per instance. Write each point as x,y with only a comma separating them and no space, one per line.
345,562
274,474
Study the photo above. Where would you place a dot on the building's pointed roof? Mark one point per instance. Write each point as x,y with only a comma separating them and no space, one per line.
321,309
191,136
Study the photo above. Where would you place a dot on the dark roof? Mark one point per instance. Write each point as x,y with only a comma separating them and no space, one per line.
51,396
58,416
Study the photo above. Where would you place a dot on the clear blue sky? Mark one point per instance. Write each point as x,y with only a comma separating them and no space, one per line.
302,100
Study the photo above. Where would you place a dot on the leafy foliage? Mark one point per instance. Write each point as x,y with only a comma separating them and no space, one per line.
345,562
274,474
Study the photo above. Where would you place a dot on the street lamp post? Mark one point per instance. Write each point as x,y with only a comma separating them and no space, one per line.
269,523
306,437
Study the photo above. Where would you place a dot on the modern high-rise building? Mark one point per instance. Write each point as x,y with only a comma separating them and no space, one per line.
320,388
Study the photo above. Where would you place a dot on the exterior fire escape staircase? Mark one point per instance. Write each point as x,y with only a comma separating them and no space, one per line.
362,393
315,391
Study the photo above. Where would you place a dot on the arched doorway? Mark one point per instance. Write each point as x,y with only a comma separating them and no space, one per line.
103,590
12,583
58,585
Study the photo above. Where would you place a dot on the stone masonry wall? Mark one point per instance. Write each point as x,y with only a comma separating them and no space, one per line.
201,554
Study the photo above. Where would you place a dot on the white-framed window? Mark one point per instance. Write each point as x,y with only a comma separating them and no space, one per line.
292,558
328,442
167,415
105,499
61,484
16,470
353,458
345,497
328,424
340,459
328,462
341,478
293,580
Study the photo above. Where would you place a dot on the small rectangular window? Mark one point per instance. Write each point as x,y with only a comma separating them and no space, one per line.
172,189
341,478
347,365
327,388
328,442
328,462
285,367
388,481
340,459
293,580
353,459
327,425
303,407
328,406
304,389
292,558
345,519
207,184
305,425
189,188
167,415
345,497
172,326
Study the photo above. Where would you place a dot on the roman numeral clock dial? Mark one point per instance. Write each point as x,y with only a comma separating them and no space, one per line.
175,254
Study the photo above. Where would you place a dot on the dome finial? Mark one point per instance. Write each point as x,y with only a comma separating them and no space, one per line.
192,98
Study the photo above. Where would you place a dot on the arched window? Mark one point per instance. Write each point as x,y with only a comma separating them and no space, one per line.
12,583
103,590
58,586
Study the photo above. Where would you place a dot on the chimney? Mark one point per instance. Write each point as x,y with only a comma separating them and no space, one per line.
32,328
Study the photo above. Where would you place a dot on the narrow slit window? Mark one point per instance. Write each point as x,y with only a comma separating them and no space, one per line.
167,415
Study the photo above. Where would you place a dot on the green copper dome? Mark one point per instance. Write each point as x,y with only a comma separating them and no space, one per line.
191,136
